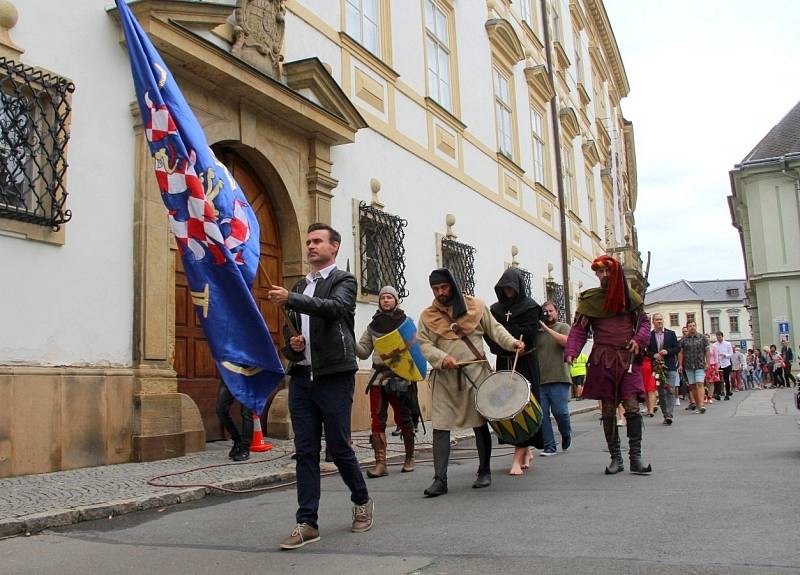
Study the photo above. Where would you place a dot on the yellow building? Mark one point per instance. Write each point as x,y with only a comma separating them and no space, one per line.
475,135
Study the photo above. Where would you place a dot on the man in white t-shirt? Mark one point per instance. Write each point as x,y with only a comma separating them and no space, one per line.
724,351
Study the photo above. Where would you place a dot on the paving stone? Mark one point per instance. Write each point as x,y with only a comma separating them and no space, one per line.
35,502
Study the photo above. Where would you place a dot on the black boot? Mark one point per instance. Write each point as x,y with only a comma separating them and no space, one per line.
612,439
483,443
635,445
441,455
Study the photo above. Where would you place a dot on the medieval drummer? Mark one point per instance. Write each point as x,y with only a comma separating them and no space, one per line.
384,386
516,311
450,334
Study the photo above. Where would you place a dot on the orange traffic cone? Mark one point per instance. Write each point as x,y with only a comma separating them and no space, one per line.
258,444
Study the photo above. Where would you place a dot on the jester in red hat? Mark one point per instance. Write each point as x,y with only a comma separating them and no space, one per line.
621,329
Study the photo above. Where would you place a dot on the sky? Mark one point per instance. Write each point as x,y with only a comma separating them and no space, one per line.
708,79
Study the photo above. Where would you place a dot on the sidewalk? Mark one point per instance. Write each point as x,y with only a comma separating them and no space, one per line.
31,503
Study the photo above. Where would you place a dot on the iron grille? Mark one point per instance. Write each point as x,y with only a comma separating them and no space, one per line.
555,294
382,253
526,278
460,259
34,131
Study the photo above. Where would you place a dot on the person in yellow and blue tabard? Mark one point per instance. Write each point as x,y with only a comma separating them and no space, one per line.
385,387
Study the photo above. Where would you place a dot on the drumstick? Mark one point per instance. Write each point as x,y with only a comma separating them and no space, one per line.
516,357
460,363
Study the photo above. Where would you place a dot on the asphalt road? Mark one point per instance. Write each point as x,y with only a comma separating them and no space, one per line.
724,498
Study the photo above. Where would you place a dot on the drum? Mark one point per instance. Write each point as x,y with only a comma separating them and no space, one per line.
506,401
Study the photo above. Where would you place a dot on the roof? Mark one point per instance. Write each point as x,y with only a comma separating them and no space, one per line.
717,290
703,290
783,139
680,290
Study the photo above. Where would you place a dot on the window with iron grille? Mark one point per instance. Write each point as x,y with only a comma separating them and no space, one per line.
382,254
526,278
460,259
555,294
34,131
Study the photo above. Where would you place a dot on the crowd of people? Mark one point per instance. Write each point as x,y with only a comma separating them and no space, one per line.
629,365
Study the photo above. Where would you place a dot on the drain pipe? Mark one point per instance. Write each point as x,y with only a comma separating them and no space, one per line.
559,175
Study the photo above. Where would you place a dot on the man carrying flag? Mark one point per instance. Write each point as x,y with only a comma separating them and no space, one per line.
322,305
214,226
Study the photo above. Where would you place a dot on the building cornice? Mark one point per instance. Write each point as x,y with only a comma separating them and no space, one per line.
599,17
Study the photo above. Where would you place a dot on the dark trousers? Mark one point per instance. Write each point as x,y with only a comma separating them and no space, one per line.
225,400
726,377
329,400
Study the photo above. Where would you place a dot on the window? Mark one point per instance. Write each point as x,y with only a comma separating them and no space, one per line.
734,323
362,19
570,189
526,13
539,146
690,318
674,320
503,114
460,259
554,292
556,19
592,198
578,57
381,250
714,324
732,292
34,131
437,48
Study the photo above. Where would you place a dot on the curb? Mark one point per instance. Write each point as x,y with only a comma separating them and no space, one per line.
37,522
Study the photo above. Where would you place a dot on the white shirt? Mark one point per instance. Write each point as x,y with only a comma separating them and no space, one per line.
724,352
305,323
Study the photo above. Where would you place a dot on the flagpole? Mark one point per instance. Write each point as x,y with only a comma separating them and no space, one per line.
289,323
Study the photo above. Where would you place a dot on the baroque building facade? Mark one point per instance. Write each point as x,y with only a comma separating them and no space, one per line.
429,132
765,209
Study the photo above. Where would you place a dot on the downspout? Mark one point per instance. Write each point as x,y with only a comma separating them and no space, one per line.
559,175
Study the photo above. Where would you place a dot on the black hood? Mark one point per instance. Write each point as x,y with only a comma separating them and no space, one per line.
444,275
521,302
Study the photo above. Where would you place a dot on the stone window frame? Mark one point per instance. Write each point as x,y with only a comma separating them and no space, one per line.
383,26
51,107
733,324
432,38
504,104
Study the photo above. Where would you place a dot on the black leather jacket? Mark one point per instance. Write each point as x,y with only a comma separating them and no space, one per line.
331,314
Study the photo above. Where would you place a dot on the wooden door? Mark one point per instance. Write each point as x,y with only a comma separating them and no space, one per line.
197,373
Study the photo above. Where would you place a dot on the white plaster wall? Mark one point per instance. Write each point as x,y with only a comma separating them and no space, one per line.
329,11
71,304
475,73
303,41
414,190
408,44
681,308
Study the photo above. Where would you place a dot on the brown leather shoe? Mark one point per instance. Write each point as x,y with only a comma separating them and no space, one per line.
301,534
362,517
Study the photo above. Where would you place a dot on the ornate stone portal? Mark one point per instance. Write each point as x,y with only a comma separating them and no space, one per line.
258,34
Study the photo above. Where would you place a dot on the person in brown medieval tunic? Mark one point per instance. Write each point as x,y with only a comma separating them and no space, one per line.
516,311
450,332
621,329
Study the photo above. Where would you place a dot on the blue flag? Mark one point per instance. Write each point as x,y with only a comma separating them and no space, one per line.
214,225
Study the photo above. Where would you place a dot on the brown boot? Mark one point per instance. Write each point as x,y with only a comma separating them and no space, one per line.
408,441
378,441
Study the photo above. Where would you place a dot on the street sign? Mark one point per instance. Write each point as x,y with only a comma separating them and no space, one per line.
783,327
743,344
784,338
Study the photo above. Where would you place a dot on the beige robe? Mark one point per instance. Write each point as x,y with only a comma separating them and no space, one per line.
454,405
